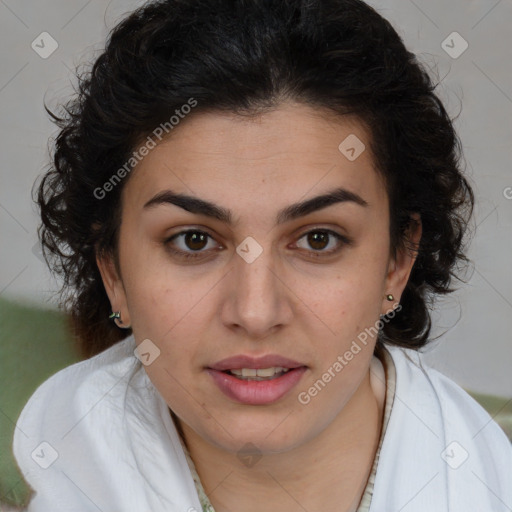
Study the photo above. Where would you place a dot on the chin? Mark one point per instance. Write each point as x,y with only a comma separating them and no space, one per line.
269,432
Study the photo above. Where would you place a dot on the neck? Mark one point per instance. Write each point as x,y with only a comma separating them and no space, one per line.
328,472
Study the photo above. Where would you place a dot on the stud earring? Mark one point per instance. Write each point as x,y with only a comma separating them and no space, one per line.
116,316
390,297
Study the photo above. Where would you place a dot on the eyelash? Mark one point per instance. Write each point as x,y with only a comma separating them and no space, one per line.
342,240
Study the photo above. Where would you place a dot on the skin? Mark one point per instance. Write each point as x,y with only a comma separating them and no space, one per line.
292,300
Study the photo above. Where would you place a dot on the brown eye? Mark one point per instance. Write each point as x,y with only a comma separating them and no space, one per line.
191,244
195,240
323,241
318,239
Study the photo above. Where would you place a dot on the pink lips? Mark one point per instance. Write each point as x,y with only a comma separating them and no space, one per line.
252,392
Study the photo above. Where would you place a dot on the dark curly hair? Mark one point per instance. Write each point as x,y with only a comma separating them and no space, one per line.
246,57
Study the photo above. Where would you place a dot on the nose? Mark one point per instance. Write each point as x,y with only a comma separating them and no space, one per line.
258,301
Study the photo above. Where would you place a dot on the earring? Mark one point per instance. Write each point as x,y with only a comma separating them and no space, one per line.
116,315
390,297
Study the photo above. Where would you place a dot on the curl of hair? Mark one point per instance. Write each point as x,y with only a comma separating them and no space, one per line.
246,57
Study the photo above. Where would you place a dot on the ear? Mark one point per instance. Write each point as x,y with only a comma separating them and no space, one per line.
400,266
114,287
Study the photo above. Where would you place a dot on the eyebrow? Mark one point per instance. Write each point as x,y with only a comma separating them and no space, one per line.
294,211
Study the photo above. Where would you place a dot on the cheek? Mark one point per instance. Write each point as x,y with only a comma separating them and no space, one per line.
174,317
168,314
161,296
347,301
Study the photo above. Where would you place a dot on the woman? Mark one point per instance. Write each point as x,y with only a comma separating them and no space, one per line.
253,205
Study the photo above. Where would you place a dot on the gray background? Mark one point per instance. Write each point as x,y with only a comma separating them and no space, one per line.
475,349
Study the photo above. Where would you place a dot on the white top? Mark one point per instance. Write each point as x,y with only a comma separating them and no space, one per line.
98,436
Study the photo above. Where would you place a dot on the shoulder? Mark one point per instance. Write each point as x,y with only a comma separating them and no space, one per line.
417,378
101,425
104,366
452,431
65,396
436,427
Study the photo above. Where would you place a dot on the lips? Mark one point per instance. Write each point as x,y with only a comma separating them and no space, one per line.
256,380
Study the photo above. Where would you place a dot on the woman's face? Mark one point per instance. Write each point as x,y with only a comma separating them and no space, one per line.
265,271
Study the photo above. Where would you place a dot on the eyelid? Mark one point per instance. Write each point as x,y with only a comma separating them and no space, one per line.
323,227
190,254
343,240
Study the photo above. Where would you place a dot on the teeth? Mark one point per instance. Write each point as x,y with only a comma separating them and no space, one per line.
260,372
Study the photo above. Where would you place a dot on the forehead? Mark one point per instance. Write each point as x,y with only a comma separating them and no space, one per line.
286,154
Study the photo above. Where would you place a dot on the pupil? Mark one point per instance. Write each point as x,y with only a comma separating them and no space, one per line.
195,241
318,239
